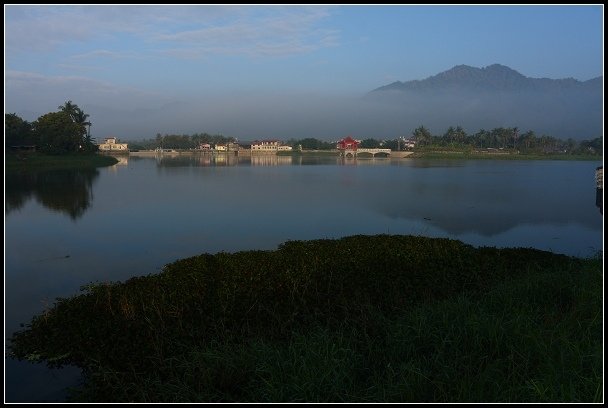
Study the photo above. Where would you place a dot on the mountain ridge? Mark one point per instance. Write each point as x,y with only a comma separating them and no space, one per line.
495,77
496,96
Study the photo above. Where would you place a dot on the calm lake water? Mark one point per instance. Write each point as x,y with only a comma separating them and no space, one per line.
65,229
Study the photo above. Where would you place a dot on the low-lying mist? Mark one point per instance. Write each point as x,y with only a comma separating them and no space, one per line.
249,116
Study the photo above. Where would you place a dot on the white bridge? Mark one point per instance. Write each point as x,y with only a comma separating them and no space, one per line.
373,152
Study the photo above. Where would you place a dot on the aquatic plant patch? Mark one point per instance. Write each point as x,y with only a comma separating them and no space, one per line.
260,325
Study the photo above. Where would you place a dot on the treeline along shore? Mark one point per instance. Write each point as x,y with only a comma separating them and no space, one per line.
498,143
384,318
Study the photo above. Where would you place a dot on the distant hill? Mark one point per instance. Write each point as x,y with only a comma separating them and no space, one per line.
497,96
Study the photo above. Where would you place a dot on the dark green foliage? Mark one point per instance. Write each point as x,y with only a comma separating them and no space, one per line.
311,143
57,133
359,319
17,132
53,133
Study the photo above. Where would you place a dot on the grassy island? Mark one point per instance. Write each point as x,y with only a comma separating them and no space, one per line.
39,162
383,318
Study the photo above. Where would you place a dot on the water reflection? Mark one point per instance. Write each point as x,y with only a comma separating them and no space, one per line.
176,159
271,160
123,160
599,190
62,190
488,199
196,160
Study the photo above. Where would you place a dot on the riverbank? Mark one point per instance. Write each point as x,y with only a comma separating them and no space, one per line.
414,154
37,161
497,155
359,319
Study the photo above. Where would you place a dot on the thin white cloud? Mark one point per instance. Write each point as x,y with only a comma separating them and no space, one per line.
28,90
249,30
101,54
80,67
292,32
30,79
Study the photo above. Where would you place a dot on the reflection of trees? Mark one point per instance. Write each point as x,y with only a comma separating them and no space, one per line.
68,191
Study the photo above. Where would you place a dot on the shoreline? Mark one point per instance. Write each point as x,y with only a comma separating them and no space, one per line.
445,154
41,162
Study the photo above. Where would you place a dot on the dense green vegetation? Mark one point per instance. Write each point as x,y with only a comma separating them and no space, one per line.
56,140
359,319
65,131
456,140
506,138
174,141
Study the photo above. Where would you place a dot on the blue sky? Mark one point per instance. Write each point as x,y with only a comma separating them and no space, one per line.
114,60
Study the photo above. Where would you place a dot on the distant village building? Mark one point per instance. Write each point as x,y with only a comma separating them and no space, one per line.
268,146
348,143
409,143
219,147
110,144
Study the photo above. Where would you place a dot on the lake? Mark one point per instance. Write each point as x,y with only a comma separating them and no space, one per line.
65,229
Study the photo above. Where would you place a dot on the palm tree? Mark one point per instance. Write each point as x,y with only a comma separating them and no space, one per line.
69,108
515,136
80,118
422,135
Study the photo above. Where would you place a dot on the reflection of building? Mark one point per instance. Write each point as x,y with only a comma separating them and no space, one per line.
270,160
110,144
123,160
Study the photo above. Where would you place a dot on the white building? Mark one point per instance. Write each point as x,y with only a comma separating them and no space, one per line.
268,146
110,144
409,143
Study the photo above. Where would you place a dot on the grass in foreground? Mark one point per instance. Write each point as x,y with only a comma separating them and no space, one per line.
359,319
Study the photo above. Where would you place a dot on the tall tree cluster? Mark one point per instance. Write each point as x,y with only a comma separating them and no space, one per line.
65,131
